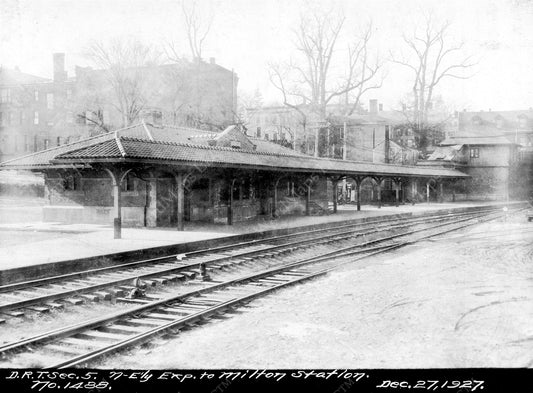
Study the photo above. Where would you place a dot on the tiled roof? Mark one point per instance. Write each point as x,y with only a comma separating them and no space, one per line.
132,144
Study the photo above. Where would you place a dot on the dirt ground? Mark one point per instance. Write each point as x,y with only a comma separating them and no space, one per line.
462,300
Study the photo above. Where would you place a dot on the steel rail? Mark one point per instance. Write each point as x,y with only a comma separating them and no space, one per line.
235,302
86,273
76,328
175,269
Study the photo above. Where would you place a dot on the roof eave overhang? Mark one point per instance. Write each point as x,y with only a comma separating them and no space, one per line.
258,167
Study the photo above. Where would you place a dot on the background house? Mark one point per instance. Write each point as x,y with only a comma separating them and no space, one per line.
37,113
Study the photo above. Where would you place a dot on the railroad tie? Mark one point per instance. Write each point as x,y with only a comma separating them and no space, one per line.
189,274
103,295
55,306
15,313
39,309
132,301
90,297
74,301
115,292
63,349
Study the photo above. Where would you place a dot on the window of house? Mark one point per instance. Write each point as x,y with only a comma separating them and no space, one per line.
258,132
36,95
46,143
35,118
5,95
59,140
266,136
474,152
50,100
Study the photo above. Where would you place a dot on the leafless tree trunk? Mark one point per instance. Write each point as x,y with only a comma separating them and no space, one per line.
312,82
433,59
197,28
125,67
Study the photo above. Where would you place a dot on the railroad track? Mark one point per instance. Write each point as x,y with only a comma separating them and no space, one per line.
115,282
84,342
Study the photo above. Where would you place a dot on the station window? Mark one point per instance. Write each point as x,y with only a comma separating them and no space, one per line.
258,132
474,152
46,143
35,118
71,182
128,184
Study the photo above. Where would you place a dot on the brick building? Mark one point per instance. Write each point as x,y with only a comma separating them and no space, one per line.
37,113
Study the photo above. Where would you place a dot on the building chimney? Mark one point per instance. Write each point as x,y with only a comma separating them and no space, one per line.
212,60
59,67
373,106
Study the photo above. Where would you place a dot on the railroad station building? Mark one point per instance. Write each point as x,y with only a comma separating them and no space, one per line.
154,175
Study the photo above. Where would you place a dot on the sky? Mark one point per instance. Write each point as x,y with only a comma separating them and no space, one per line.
247,35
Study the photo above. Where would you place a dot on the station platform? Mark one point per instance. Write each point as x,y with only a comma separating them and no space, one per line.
29,244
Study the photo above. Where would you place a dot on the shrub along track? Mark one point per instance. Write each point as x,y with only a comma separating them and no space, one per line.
110,283
84,342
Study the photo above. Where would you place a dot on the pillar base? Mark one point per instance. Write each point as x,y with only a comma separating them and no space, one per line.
117,228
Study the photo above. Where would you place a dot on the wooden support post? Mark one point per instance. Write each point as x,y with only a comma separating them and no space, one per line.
181,201
308,201
230,203
453,191
402,185
335,196
117,176
441,192
414,191
397,190
379,192
274,198
117,210
358,188
427,191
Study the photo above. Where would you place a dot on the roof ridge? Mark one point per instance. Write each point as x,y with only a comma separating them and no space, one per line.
83,148
207,147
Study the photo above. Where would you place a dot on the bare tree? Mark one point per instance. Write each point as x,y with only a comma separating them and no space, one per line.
433,59
308,86
196,28
124,78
